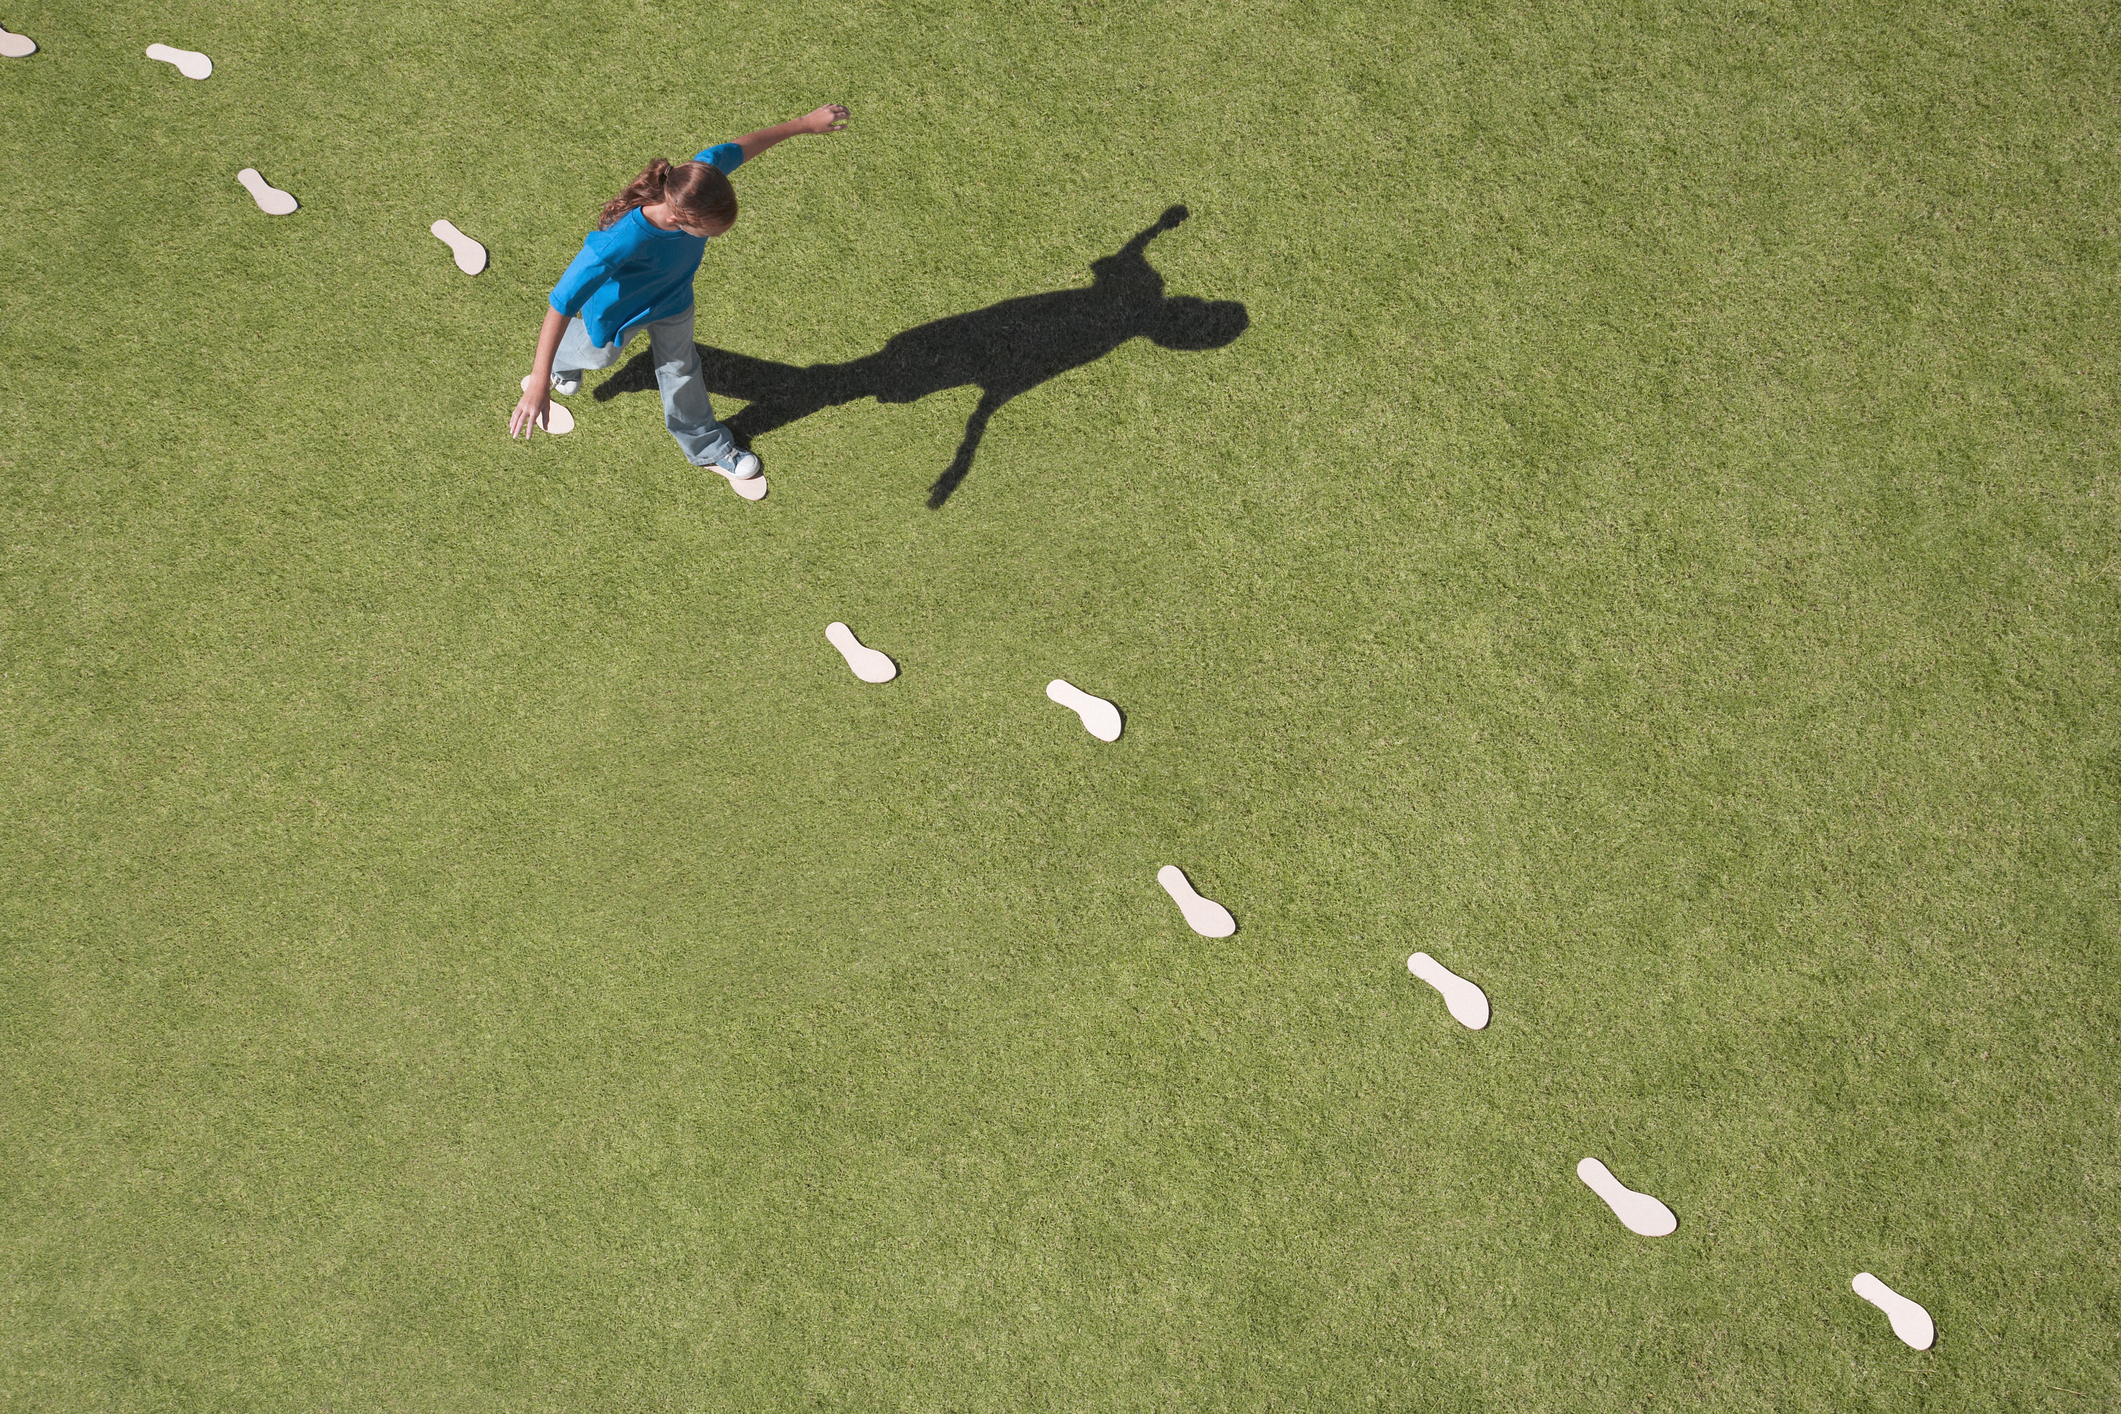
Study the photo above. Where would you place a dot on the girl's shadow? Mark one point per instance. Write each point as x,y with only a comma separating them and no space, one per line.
1004,349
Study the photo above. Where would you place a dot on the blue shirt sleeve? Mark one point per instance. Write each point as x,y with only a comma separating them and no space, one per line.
724,157
584,273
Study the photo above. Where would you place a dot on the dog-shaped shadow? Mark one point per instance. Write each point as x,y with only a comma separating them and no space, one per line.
1003,350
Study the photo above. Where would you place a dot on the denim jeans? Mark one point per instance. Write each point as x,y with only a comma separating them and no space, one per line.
686,409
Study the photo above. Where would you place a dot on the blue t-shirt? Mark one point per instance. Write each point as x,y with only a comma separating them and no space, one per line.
636,272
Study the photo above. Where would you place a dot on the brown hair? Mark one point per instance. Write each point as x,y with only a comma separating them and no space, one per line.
696,191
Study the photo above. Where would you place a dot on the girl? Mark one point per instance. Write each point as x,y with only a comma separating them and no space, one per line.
635,272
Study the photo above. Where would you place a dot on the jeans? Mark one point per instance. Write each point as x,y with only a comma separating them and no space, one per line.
686,409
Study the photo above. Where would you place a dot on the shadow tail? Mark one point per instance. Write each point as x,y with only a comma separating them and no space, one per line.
961,464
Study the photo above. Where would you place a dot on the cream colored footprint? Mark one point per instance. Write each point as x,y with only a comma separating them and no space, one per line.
868,664
190,62
471,256
1638,1212
1100,718
271,200
1909,1320
16,46
1203,915
1464,1000
557,420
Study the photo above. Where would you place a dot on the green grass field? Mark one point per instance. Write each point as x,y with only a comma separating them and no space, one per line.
471,946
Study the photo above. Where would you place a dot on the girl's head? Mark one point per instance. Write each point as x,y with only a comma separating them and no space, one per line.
699,197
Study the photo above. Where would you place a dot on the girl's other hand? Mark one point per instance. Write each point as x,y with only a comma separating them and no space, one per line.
531,412
828,119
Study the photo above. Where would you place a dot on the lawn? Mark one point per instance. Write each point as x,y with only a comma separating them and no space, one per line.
1649,537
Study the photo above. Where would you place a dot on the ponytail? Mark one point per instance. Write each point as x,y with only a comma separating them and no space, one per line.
644,190
695,189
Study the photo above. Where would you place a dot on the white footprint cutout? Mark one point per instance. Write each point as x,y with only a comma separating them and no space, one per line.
471,256
1464,1000
271,200
1910,1322
557,420
753,488
1638,1212
868,664
1203,915
190,62
1100,718
16,46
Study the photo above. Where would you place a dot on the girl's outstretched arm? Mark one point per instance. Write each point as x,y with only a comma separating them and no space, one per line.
828,119
537,399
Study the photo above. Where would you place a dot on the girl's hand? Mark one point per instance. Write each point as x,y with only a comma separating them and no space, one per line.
531,412
828,119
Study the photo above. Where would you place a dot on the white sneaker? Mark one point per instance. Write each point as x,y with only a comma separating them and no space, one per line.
740,465
566,385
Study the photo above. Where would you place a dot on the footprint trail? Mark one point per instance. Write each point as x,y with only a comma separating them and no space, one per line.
1638,1212
271,200
1203,915
1100,718
189,62
1464,1000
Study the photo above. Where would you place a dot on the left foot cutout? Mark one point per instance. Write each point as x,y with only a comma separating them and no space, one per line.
867,664
271,200
471,256
1910,1322
1203,915
1639,1213
1464,1000
16,46
558,420
1100,718
190,62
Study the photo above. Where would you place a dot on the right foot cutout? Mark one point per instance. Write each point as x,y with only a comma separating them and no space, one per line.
868,664
16,46
753,488
471,256
1465,1001
558,420
1910,1322
1100,718
1203,915
1638,1212
271,200
189,62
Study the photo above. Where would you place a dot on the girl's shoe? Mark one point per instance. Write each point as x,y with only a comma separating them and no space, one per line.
742,469
565,384
739,465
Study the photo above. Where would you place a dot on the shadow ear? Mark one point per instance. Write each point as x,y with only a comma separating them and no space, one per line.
1183,322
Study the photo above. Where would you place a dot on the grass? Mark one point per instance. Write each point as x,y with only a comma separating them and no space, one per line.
470,945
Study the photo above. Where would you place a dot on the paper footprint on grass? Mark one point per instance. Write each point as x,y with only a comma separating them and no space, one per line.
557,420
471,256
1638,1212
1100,718
190,62
866,663
1909,1321
1464,1000
1203,915
16,46
271,200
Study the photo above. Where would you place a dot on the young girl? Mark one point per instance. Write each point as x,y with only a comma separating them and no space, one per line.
635,272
